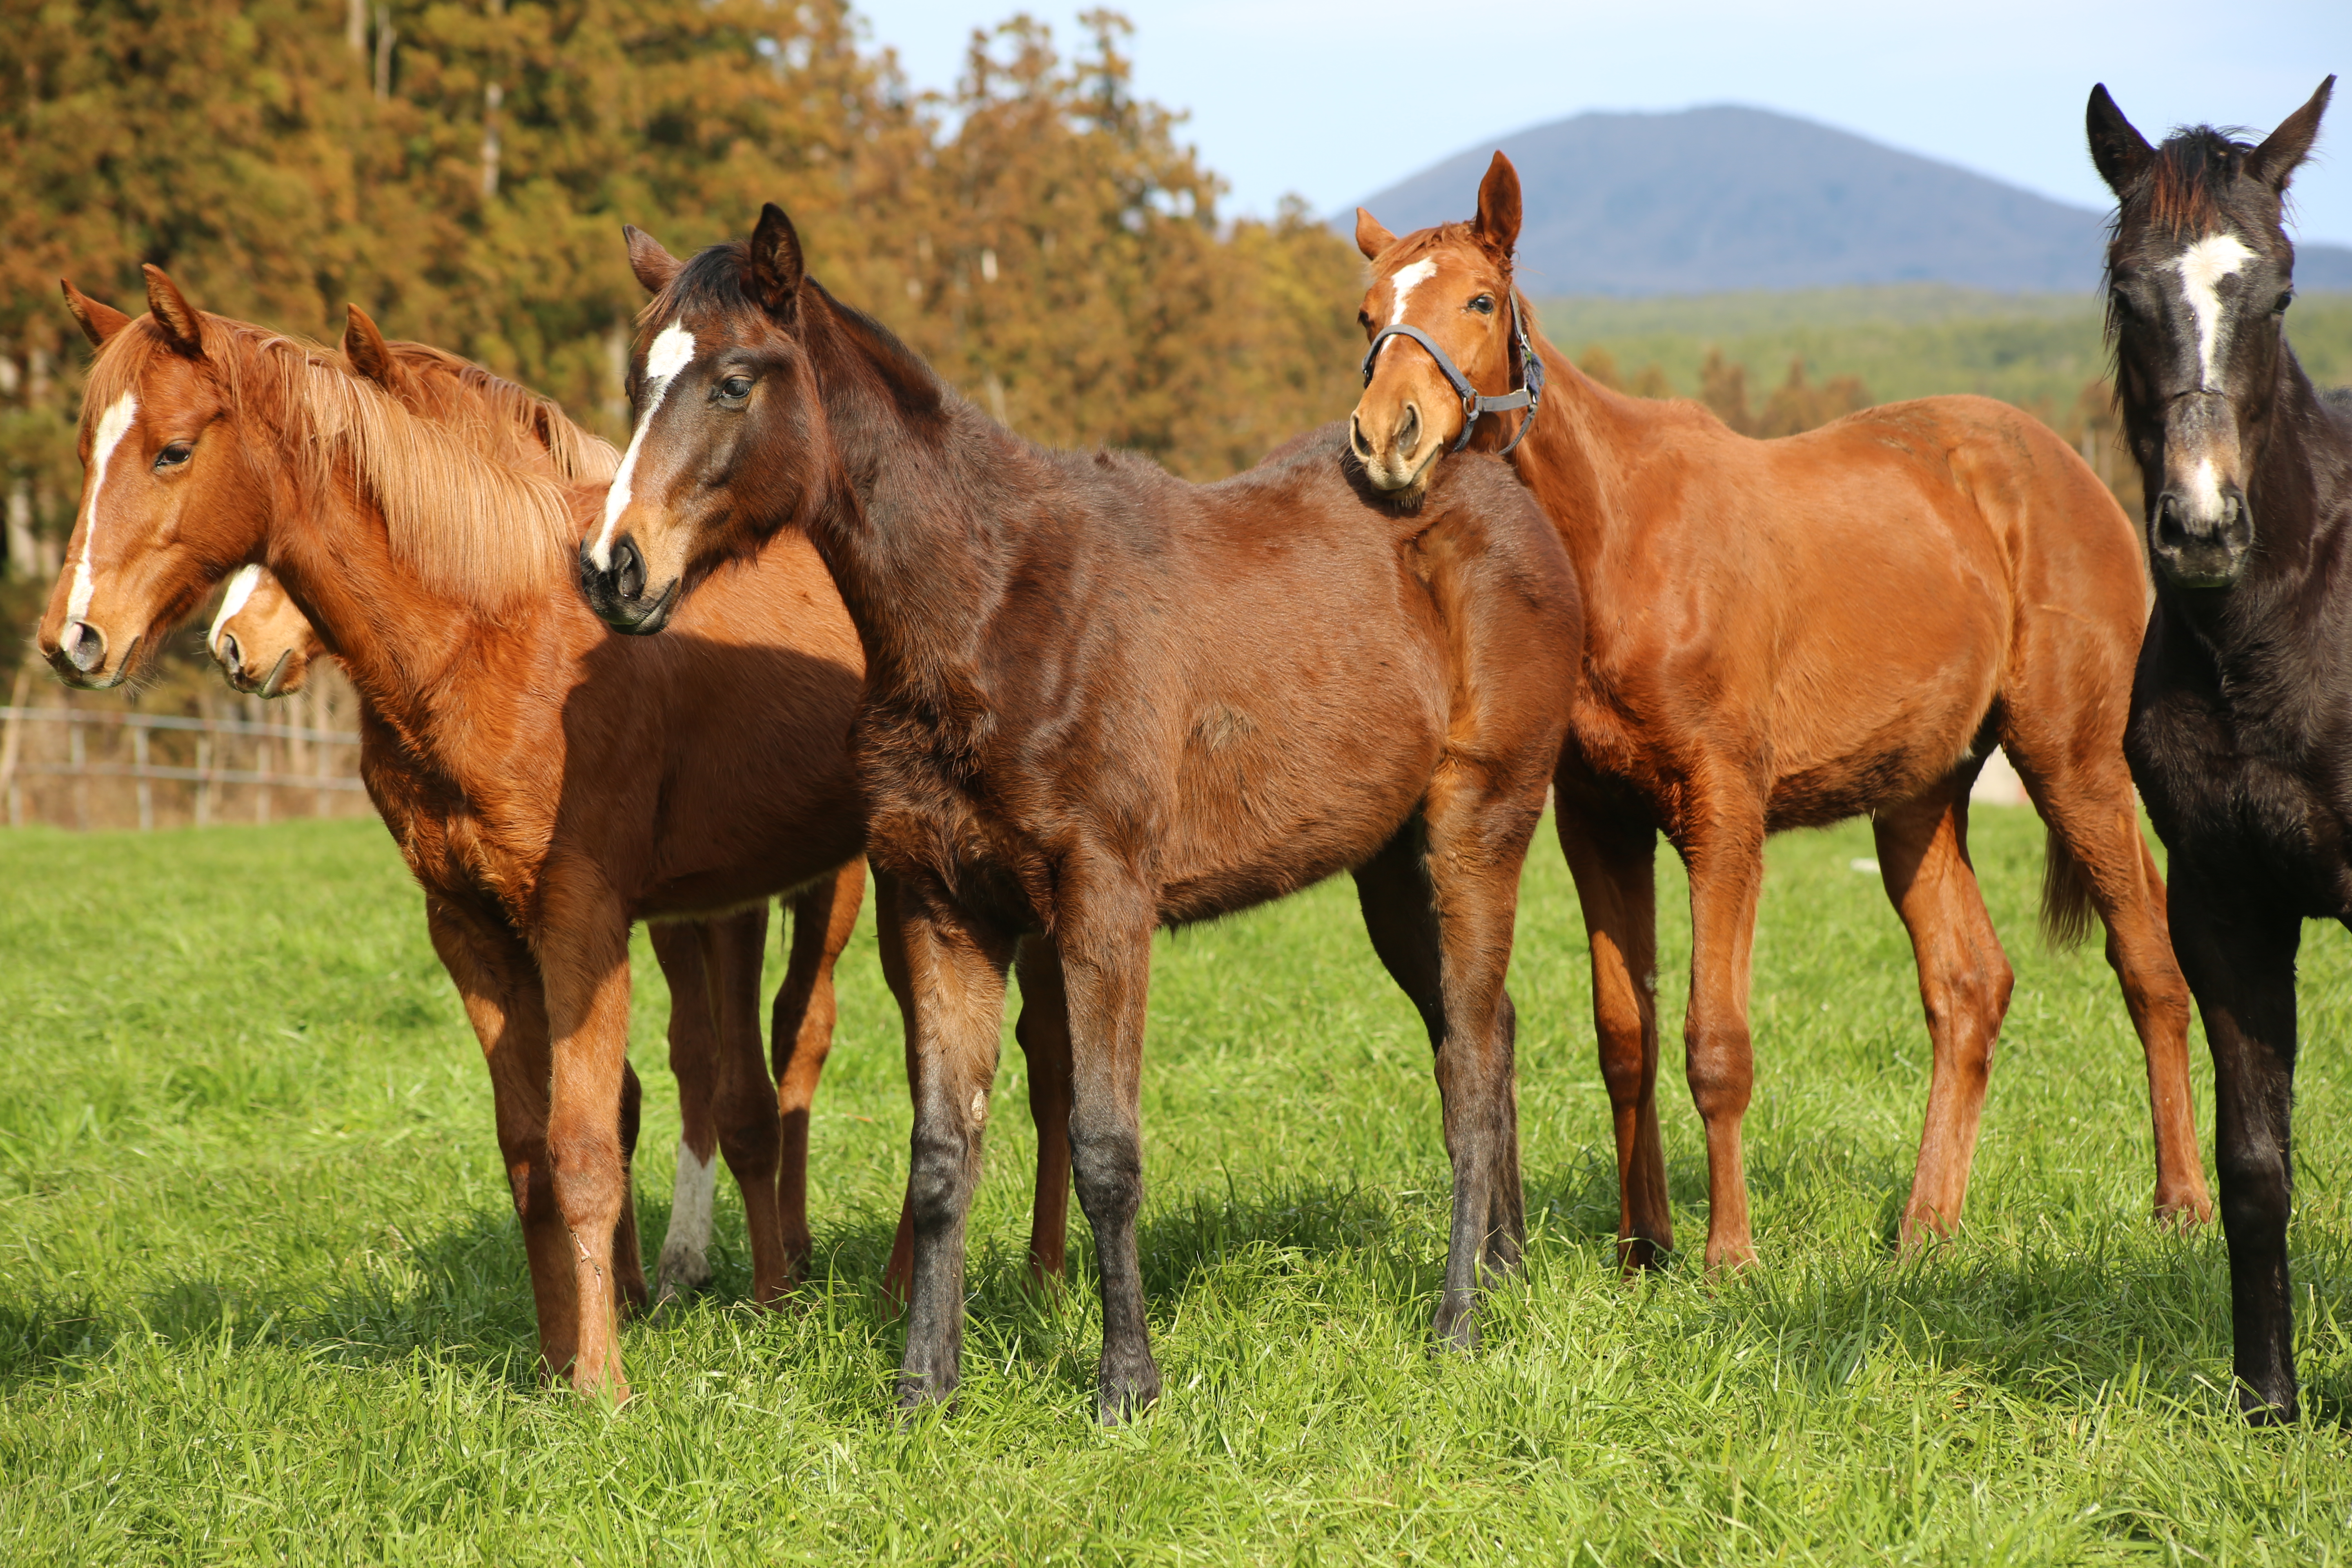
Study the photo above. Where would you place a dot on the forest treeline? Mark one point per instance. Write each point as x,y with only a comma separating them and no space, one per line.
461,168
462,172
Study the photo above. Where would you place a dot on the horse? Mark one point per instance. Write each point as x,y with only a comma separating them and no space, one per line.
539,827
263,645
2241,719
1100,700
1784,634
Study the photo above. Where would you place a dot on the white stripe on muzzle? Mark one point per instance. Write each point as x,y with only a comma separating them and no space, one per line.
112,426
672,352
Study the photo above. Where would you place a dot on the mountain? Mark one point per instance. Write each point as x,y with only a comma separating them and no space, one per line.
1721,199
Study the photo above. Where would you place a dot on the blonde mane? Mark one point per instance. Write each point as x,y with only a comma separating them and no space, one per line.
473,523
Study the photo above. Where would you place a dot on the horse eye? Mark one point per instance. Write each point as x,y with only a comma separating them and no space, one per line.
1484,304
735,388
2285,299
173,456
1364,320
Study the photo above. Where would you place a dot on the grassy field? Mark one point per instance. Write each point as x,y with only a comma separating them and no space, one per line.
262,1295
1902,340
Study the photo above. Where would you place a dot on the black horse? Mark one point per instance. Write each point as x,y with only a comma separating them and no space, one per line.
2241,732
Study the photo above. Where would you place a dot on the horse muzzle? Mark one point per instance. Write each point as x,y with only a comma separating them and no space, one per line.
618,592
79,658
2201,546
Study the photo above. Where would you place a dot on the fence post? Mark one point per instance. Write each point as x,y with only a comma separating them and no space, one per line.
139,766
11,739
74,755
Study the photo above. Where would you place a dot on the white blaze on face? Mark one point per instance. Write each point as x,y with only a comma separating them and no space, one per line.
1401,286
240,589
112,426
2201,267
672,352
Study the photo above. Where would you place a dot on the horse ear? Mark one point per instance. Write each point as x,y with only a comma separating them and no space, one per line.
98,322
654,266
1498,205
2118,149
774,269
363,345
2290,144
174,313
1371,238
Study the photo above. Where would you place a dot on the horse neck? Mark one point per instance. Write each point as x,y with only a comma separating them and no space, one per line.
405,651
1565,460
912,525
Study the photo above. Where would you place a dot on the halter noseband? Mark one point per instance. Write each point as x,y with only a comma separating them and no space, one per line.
1529,395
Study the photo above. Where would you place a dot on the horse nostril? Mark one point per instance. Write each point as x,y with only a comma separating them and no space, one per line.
1409,433
85,644
628,570
2171,528
1363,448
232,658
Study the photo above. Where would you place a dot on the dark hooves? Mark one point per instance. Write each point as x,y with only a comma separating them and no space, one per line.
1457,1328
1122,1395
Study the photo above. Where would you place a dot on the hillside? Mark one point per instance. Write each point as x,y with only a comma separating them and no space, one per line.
1908,341
1721,199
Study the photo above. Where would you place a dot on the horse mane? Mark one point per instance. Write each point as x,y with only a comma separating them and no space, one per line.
472,527
493,412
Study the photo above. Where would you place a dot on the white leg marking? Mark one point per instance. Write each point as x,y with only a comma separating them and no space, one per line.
112,426
671,352
685,1260
2201,267
240,589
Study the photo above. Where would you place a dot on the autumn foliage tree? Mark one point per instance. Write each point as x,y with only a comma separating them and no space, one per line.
462,170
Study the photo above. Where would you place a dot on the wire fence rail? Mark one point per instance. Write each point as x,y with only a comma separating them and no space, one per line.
74,764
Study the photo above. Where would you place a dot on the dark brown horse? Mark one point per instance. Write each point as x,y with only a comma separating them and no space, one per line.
2241,730
540,824
1784,634
1101,700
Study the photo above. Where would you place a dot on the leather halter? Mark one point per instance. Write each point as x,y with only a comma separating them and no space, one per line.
1529,395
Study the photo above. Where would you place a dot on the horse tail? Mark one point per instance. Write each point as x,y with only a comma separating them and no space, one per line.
2066,907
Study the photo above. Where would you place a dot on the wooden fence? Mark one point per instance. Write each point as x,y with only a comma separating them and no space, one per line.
89,760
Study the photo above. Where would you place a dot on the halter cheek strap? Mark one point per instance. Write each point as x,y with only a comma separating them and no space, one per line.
1475,405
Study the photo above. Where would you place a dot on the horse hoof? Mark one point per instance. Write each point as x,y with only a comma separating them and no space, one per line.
1121,1398
680,1273
1457,1328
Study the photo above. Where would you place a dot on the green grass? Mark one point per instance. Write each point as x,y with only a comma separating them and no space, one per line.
262,1294
1902,340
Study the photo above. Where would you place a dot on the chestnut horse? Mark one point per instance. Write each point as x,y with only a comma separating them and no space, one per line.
540,826
1101,700
265,647
1785,634
2241,714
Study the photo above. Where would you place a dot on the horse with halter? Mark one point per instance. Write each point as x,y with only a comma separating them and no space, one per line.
540,825
1101,700
2241,730
1784,634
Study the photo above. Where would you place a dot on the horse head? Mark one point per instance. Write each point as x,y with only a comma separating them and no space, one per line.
263,643
1448,338
729,440
160,462
2200,274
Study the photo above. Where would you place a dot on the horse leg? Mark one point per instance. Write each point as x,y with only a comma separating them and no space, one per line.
1613,863
2094,818
1725,861
629,1256
825,914
583,959
1964,983
955,969
2240,959
685,1263
890,938
1043,1030
1104,935
498,984
743,1100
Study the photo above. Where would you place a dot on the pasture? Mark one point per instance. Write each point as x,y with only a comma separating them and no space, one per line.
262,1293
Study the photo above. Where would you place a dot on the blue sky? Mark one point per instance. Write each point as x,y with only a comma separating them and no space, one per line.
1336,99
